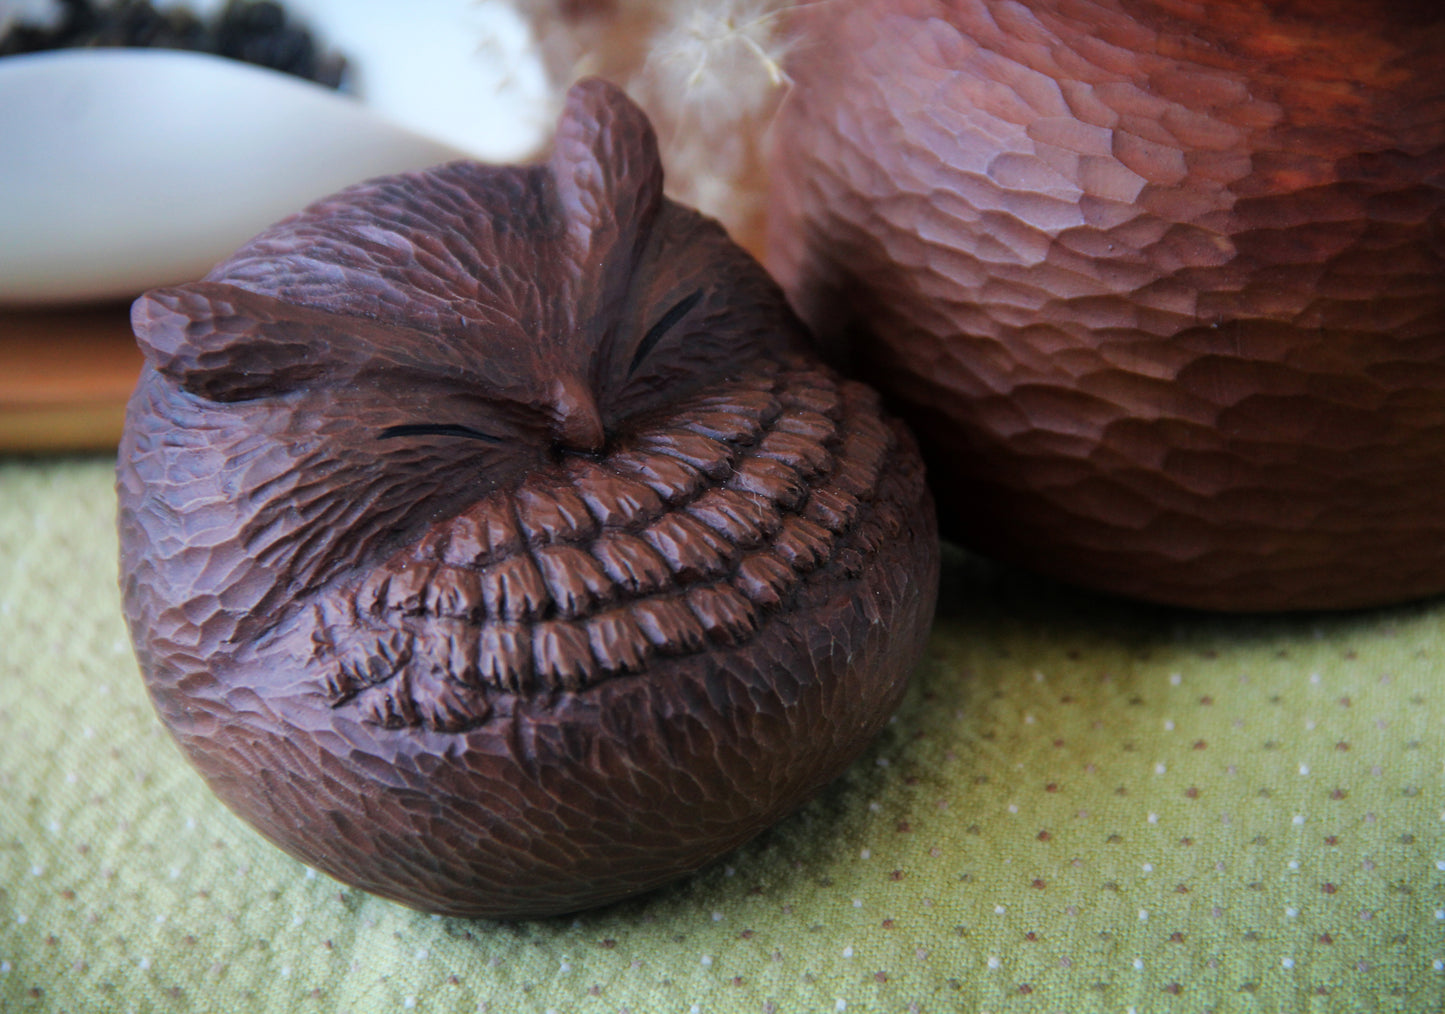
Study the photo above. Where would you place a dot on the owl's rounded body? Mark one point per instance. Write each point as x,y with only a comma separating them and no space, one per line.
492,542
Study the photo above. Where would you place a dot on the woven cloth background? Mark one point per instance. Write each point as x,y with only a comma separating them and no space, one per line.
1084,805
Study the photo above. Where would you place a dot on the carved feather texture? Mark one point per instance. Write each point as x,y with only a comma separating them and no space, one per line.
605,546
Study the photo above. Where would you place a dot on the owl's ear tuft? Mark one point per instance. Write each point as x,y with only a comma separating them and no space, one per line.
225,343
606,164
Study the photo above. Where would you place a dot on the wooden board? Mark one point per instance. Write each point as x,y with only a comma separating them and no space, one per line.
65,376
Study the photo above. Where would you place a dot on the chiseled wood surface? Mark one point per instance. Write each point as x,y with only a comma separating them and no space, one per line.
65,376
513,569
1159,285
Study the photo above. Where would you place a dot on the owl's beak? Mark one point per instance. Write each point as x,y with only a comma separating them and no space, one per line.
576,419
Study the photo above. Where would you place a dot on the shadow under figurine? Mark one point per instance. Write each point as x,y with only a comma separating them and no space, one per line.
492,540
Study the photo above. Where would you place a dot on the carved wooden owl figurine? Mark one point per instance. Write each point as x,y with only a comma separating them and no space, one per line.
492,541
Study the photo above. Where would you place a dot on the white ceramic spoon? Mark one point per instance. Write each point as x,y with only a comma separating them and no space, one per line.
124,169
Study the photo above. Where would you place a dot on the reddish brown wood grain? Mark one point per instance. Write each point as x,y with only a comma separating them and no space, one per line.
1159,283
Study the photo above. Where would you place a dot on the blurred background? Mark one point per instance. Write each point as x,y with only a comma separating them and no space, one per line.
145,140
127,168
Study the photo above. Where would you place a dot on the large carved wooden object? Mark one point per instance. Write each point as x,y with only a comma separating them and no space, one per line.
1159,283
492,541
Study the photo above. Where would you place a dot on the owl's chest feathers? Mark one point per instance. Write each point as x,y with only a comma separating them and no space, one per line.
693,535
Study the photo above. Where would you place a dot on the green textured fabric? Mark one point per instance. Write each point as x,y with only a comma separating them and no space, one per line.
1083,805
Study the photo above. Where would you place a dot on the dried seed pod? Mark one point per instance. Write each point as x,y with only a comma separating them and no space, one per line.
1159,284
465,533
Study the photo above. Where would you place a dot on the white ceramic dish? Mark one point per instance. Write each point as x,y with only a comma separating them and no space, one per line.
122,169
125,169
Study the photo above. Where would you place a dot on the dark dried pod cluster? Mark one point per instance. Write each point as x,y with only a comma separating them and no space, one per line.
251,31
492,541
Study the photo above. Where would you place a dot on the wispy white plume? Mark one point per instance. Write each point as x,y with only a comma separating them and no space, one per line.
710,74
